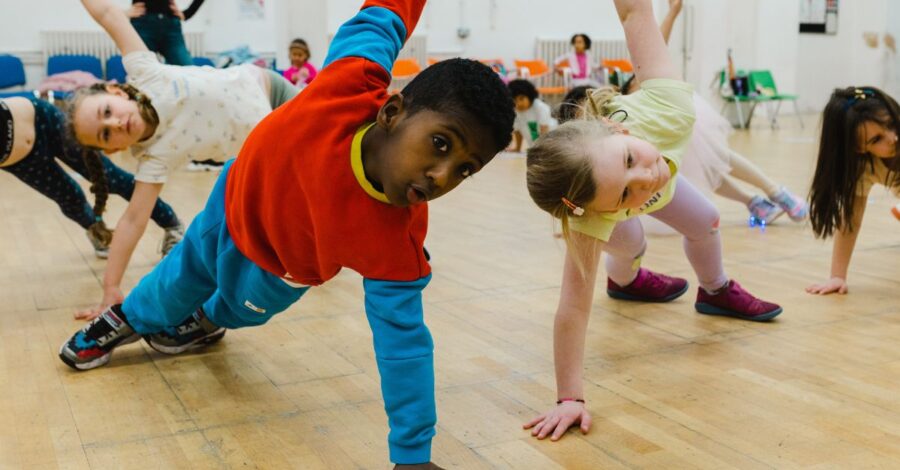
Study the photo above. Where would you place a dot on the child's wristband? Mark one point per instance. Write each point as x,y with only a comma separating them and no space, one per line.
563,400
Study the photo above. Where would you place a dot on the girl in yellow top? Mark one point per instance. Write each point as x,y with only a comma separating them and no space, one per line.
596,176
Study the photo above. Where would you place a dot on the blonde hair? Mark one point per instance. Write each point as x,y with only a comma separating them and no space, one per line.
558,166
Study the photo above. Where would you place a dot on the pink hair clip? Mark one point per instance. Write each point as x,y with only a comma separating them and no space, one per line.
578,211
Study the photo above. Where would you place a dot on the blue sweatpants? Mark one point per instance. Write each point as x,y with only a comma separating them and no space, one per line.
206,269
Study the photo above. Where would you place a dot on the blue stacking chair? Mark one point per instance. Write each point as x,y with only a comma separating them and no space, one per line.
12,74
68,63
115,70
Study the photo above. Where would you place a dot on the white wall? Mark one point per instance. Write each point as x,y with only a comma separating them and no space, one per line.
763,34
892,59
503,29
827,61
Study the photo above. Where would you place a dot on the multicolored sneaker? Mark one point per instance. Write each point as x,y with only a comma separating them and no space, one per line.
92,346
197,330
648,286
101,248
762,211
795,207
171,238
733,301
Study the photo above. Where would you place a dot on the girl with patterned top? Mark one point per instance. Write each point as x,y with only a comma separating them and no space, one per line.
33,140
164,117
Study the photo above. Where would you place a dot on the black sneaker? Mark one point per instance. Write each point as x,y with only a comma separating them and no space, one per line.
92,346
101,248
197,330
172,236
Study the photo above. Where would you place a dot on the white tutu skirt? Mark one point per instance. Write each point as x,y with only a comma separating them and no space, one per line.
706,160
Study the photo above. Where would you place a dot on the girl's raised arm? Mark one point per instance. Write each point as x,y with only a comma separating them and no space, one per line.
116,24
649,53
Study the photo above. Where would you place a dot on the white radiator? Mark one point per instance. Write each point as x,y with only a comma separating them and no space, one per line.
416,48
549,50
99,44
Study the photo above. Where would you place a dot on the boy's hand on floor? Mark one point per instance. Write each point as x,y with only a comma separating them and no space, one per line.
418,466
558,420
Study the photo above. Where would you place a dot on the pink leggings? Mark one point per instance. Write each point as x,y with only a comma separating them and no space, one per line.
693,216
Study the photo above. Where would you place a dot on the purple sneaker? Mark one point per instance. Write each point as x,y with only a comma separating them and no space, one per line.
733,301
648,286
795,207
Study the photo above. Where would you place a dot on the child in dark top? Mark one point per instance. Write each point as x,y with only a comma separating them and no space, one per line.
34,139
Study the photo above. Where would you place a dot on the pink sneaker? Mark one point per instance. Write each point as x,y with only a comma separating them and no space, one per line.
648,286
795,207
734,301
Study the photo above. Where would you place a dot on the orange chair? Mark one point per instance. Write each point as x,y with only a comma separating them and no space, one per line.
405,68
616,71
402,73
538,72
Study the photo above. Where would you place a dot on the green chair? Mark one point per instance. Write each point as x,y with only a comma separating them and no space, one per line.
729,97
762,82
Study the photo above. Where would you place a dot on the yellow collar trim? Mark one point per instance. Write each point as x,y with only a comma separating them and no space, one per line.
357,164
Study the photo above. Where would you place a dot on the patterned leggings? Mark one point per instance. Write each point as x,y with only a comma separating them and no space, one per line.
43,173
693,216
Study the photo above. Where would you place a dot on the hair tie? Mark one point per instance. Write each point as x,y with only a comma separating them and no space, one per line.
610,117
578,211
859,94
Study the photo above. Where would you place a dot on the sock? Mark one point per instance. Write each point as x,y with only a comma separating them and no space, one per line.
718,290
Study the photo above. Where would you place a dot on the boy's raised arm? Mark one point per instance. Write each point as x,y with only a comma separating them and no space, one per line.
377,32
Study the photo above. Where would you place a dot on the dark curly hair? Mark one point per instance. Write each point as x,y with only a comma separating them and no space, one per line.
587,40
465,88
520,87
571,103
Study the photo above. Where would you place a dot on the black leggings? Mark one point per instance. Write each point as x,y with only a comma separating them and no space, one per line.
42,171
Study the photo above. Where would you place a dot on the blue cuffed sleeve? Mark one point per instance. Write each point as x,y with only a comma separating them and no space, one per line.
405,356
375,33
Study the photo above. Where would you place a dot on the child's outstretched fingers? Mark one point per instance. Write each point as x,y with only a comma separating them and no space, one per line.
534,421
830,286
557,421
89,314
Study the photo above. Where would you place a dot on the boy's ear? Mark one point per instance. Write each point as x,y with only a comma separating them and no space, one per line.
390,112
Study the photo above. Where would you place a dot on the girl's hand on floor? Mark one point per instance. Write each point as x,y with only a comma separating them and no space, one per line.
558,420
111,296
830,286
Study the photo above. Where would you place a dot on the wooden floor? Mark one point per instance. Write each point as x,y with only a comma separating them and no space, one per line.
668,388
